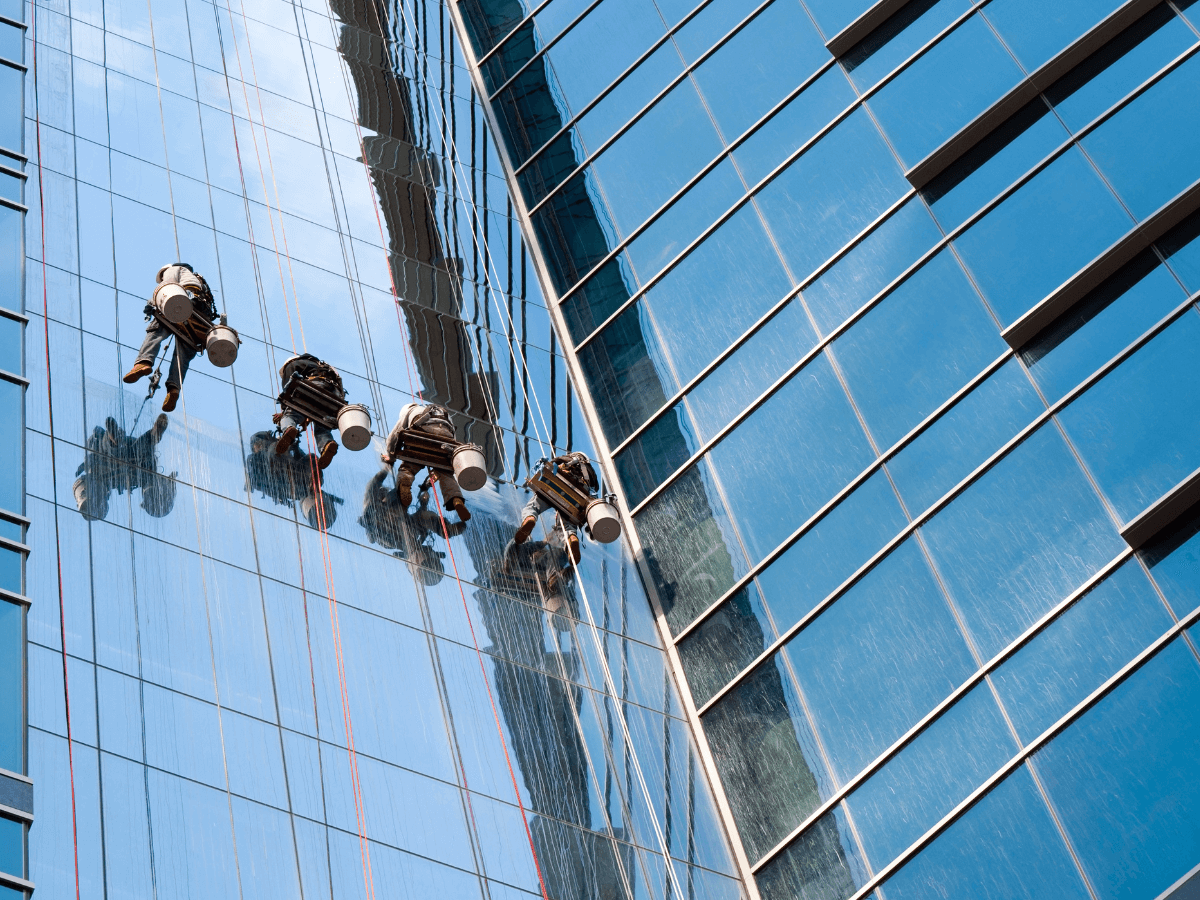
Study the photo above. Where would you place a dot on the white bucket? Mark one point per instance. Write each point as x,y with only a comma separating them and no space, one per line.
603,524
173,302
470,467
222,346
354,422
90,507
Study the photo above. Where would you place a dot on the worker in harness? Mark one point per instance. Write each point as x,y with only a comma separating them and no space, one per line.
203,307
575,468
411,536
434,421
324,378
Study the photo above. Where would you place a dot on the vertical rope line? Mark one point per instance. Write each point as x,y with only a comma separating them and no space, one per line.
162,119
62,611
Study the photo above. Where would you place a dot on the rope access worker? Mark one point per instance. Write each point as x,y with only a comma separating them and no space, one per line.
575,468
434,421
204,309
323,377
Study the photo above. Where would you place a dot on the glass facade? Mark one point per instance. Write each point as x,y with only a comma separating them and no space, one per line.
884,318
245,681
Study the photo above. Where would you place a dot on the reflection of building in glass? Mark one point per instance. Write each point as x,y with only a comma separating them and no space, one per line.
883,315
268,696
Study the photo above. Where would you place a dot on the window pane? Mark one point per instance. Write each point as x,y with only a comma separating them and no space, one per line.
1174,561
1037,31
1004,847
878,659
12,666
12,255
10,345
12,847
899,37
10,570
1020,539
12,487
1138,429
12,103
726,642
1133,758
12,42
823,862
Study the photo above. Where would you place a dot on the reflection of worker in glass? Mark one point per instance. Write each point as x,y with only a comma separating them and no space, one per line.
203,307
323,377
287,478
575,468
412,536
434,421
541,568
116,460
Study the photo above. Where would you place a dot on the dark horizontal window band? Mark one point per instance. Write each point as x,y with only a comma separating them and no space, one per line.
16,546
1186,888
524,21
1115,681
543,50
853,34
13,314
1163,512
1095,273
919,520
957,694
13,65
1032,85
14,378
15,173
18,883
14,597
16,23
16,795
13,204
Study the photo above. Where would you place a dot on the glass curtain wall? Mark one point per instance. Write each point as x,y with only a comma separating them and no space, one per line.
887,521
279,681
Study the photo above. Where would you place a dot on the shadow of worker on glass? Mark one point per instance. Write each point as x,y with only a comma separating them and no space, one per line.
287,479
114,460
411,536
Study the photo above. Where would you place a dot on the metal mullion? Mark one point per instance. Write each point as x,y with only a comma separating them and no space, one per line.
946,498
1113,682
957,694
500,43
543,50
762,320
946,240
586,108
846,491
637,116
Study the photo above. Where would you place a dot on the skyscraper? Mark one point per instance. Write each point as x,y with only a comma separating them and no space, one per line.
884,318
245,676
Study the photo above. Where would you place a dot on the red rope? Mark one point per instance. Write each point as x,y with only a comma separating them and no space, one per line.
62,613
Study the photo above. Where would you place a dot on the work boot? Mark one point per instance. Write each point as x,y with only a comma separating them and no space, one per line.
457,504
286,440
327,454
160,426
525,530
171,399
573,546
140,370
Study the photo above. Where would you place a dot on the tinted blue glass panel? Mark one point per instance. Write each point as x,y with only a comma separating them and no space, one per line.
823,862
1042,235
11,186
1020,539
832,550
831,193
834,15
1120,66
1076,653
1006,847
894,245
1142,149
1183,252
965,435
1134,757
1038,31
10,345
10,570
878,659
952,83
725,643
12,42
11,117
760,65
715,21
12,693
12,847
764,750
620,105
12,530
930,776
899,37
794,125
654,454
805,440
1101,325
750,369
910,353
652,160
12,486
693,306
1174,561
994,163
12,255
1138,428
